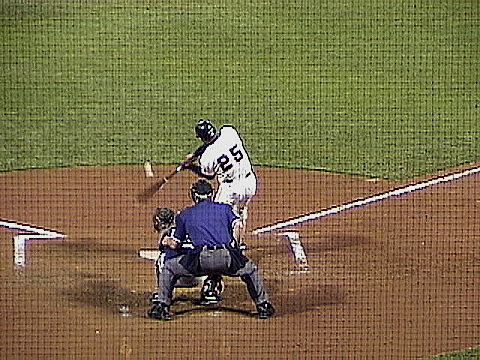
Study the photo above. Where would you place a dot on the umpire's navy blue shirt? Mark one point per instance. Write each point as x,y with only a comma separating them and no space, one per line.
205,224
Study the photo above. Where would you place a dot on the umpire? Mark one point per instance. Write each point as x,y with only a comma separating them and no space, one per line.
213,230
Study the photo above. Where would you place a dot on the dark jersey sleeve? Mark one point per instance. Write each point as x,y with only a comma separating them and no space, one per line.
180,231
200,150
197,170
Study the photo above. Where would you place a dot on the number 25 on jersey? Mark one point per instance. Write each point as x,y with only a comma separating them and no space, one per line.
225,161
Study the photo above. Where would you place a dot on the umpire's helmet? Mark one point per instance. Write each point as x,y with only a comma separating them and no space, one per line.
201,189
205,130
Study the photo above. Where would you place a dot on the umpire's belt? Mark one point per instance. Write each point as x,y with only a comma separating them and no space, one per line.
231,180
216,247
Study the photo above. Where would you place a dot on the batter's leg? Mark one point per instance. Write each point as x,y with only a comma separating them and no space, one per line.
241,209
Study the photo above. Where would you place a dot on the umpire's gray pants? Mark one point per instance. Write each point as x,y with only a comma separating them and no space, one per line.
211,262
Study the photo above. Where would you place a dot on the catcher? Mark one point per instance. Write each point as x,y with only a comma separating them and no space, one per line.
163,221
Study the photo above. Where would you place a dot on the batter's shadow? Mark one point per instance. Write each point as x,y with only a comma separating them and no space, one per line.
314,245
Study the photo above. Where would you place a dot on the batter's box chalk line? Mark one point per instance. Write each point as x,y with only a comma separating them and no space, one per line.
297,250
28,233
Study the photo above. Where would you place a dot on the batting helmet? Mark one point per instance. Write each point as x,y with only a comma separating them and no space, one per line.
201,189
205,130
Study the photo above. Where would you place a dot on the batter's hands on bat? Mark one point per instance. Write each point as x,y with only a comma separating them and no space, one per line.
186,165
189,159
144,196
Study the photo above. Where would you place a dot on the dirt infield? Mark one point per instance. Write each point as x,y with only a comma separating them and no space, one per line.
394,279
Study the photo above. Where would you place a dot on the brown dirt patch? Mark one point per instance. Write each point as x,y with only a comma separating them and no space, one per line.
396,279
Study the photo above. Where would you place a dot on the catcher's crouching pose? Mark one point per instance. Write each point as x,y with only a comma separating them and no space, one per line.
213,230
163,222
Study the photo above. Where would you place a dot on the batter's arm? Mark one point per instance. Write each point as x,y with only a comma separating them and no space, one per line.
200,150
196,169
190,158
237,231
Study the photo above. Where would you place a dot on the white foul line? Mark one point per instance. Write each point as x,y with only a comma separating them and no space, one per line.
362,202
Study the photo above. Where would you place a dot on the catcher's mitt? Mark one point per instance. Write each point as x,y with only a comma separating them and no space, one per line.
163,219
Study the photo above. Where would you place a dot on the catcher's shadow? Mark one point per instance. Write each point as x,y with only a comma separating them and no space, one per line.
214,309
197,308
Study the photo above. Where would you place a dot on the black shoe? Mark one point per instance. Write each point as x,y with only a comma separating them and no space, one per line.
154,299
265,310
160,312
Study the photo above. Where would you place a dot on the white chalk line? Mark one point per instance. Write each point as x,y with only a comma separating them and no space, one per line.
365,201
19,241
31,229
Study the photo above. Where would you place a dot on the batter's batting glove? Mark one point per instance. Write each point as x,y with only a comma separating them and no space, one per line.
163,219
186,164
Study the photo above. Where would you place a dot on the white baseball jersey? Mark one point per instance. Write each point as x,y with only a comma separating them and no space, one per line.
227,158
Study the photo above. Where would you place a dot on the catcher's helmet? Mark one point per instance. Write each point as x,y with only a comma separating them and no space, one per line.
162,219
205,130
201,189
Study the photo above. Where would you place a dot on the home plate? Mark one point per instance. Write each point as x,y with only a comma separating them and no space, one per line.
149,254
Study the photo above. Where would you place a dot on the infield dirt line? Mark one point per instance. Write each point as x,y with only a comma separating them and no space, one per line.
365,201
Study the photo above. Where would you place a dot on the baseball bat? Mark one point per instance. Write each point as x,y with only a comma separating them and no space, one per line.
145,195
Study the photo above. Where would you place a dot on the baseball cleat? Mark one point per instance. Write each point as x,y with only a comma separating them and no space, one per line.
265,310
243,247
154,299
160,312
211,292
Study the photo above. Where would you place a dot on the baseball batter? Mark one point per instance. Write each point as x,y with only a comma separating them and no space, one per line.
223,156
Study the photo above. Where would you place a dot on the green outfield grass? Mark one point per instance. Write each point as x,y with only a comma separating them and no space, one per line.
378,88
469,354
